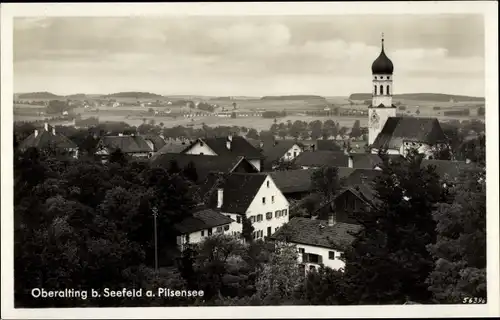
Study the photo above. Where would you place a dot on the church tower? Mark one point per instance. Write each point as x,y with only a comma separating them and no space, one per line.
381,108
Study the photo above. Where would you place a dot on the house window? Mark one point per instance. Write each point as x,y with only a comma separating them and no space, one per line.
226,227
267,183
284,212
331,255
260,218
252,219
202,233
219,229
269,215
387,89
210,231
301,250
381,90
254,234
238,219
272,199
263,200
277,213
201,153
288,154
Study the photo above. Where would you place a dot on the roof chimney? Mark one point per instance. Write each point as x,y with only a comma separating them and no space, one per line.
228,143
220,197
46,126
331,219
54,131
350,162
36,133
230,138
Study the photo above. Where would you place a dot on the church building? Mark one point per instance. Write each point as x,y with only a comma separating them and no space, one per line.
395,134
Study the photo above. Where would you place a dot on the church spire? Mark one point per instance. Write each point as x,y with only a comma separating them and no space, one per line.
382,40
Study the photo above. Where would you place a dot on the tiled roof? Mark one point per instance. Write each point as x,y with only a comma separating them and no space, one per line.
322,158
127,144
45,139
239,190
318,233
201,220
239,146
327,145
362,176
371,160
399,129
292,181
449,169
363,191
173,146
204,164
157,141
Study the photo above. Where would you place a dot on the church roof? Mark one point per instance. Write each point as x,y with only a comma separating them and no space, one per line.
402,129
382,65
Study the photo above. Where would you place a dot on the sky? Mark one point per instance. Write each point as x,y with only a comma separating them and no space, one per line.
329,55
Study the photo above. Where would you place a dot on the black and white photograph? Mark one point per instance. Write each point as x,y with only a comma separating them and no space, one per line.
312,156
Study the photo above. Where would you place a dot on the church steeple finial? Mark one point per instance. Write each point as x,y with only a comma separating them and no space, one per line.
382,41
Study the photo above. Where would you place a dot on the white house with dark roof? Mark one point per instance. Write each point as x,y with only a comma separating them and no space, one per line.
279,151
254,196
236,146
202,224
319,242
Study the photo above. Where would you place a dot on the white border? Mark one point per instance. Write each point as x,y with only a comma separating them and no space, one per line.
488,9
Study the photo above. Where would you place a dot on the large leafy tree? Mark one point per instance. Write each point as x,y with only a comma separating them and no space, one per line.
389,262
460,250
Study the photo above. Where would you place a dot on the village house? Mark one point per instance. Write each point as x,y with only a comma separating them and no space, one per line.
236,146
203,223
48,139
254,196
319,243
278,151
371,160
132,145
204,164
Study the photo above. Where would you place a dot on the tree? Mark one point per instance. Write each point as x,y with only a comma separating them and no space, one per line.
324,287
190,172
356,130
247,229
252,134
117,156
174,167
325,181
460,248
280,278
282,134
389,262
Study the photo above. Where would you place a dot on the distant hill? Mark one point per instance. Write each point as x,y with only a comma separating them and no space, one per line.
134,95
77,96
436,97
37,96
293,97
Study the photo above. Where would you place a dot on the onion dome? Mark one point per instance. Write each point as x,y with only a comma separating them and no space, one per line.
382,65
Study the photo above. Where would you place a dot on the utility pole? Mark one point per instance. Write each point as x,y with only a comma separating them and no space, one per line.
155,215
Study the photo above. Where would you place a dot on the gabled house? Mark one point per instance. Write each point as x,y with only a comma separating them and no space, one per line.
254,196
203,223
236,146
47,138
319,243
173,146
278,151
204,164
400,134
317,159
132,145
